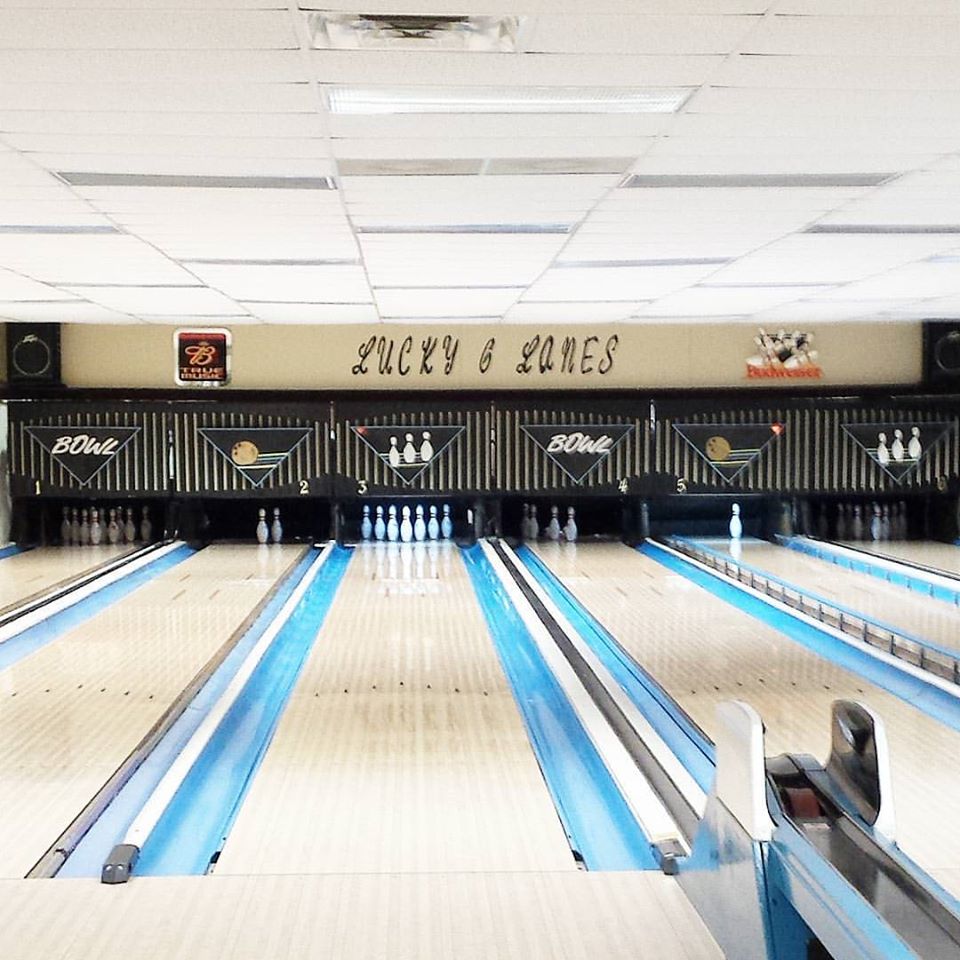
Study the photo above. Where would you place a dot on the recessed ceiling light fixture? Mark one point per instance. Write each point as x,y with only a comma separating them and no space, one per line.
60,230
470,228
637,181
883,228
387,100
397,31
85,179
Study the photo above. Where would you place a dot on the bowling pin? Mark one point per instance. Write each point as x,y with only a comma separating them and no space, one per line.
883,453
406,527
366,525
896,448
146,527
96,531
553,528
736,524
409,450
276,528
570,527
856,528
65,529
433,524
426,448
393,528
263,533
875,522
533,524
75,528
113,528
129,531
393,457
419,526
380,528
886,532
446,524
914,447
84,527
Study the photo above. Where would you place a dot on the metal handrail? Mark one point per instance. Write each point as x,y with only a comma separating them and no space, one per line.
928,658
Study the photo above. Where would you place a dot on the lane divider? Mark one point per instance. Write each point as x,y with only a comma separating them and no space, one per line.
123,858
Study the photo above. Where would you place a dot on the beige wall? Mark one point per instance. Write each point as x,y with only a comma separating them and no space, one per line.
622,356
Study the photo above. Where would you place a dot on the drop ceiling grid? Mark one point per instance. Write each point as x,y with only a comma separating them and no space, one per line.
228,88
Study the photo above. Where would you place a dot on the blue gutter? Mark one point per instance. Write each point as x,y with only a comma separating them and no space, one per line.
88,855
599,825
10,550
690,744
915,691
864,564
196,824
39,635
857,614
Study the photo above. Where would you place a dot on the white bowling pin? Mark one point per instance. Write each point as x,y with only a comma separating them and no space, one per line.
366,525
433,524
896,448
886,523
525,522
380,528
65,529
84,527
409,450
146,527
96,531
406,527
393,528
553,528
426,448
570,527
276,528
914,448
113,528
875,524
75,528
263,532
883,453
393,457
446,524
856,528
533,523
736,524
129,531
419,526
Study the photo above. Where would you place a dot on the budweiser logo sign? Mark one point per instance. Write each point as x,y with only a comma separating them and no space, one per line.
83,451
577,448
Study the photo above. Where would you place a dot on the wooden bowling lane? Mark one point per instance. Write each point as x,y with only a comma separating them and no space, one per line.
566,915
24,575
703,651
926,553
401,749
912,612
73,710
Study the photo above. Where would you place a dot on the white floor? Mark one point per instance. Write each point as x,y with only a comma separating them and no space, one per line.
704,650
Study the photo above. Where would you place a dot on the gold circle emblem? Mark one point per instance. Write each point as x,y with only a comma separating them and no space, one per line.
244,453
718,448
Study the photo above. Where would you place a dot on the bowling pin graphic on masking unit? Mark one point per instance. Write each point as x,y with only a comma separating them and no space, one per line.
406,527
276,528
896,448
736,524
409,450
380,528
113,528
393,528
446,524
426,447
96,531
366,525
263,532
393,455
883,452
914,447
570,527
419,525
433,524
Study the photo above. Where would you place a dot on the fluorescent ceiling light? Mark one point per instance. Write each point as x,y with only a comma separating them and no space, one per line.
883,228
56,229
755,180
392,31
471,228
387,100
75,179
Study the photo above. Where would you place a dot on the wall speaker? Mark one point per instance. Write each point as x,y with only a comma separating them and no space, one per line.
941,353
33,354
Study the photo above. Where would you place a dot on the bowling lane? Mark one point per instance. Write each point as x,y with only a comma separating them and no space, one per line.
703,651
926,553
23,575
73,710
401,749
914,613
